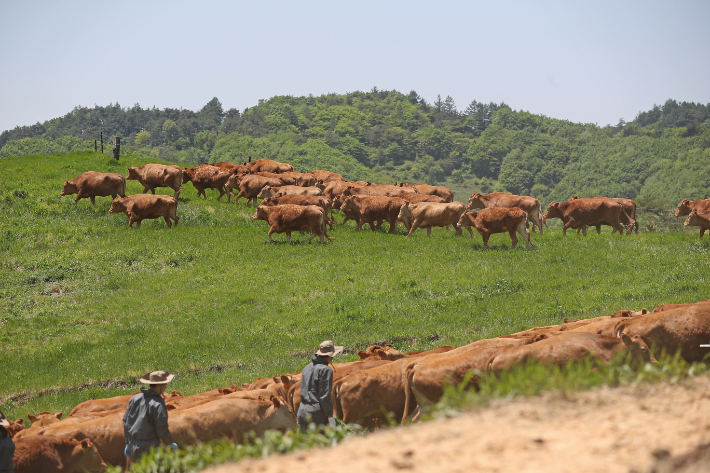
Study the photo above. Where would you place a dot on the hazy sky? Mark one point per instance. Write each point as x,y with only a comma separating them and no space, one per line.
594,61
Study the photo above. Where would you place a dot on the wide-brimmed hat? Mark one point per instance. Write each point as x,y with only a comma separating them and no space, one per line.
157,377
3,421
327,348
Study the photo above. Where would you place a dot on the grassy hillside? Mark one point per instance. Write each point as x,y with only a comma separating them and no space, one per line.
87,303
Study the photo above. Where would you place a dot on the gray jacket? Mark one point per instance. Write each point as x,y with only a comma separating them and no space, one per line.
316,386
7,451
145,423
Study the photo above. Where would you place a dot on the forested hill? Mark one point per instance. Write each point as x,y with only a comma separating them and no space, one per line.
389,136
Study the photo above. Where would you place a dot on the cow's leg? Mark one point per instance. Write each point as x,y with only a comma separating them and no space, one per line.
130,220
359,224
411,230
702,231
584,231
458,230
288,237
599,229
177,192
535,217
93,200
617,226
152,189
485,237
469,231
428,231
513,238
166,217
393,224
372,226
221,193
175,218
523,230
240,195
138,222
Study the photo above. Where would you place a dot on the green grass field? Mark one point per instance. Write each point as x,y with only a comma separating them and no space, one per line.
87,305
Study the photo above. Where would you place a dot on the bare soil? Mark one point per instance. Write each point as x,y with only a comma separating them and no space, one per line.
642,428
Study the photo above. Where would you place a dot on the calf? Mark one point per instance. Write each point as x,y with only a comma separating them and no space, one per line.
39,423
267,165
250,186
582,212
293,218
141,206
530,205
157,175
206,176
319,201
431,214
15,426
93,184
53,455
371,209
699,219
686,206
272,191
498,220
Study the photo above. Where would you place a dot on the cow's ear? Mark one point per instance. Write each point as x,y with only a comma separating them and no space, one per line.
685,202
19,421
626,339
170,407
32,417
286,380
86,443
276,401
58,415
645,311
566,320
362,354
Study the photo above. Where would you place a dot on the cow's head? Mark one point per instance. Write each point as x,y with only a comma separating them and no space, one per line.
348,203
267,191
553,211
69,188
15,426
187,175
117,206
405,216
44,418
467,219
261,213
132,173
637,348
88,457
693,220
269,201
475,202
683,208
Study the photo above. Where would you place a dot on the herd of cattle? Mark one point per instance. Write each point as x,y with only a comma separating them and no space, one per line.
383,383
294,201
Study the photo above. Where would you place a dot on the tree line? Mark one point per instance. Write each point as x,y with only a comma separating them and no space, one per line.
390,136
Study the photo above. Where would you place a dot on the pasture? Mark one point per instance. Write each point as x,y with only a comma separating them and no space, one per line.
87,305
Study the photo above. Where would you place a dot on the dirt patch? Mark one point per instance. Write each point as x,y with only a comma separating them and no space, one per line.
640,428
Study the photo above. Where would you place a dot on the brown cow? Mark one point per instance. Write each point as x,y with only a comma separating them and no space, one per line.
93,184
686,206
377,352
232,168
498,220
566,347
530,205
377,190
431,214
374,208
628,219
664,307
349,213
157,175
302,179
293,218
111,403
273,191
582,212
250,186
52,455
699,219
286,180
206,176
370,394
684,329
39,423
15,426
439,191
141,206
317,200
327,176
267,165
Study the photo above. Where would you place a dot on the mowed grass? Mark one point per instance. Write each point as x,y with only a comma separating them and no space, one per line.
87,305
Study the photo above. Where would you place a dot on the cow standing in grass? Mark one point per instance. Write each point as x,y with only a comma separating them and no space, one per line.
293,218
431,214
580,213
498,220
699,219
141,206
531,205
92,184
206,176
157,175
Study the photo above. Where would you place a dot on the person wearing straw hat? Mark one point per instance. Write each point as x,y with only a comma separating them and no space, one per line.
145,423
316,386
7,446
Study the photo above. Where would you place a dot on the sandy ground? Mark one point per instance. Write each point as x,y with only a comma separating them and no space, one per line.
646,428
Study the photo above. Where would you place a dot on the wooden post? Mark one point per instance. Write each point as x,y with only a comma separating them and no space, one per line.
96,146
102,142
116,147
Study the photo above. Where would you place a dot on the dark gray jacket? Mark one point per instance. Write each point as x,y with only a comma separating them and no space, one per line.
316,386
7,451
145,422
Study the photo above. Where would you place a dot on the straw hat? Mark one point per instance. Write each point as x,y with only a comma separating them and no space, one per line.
3,421
327,348
157,377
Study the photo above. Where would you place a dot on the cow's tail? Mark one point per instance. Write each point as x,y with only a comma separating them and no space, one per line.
337,402
407,380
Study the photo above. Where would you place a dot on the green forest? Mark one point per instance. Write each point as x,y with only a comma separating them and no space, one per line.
659,158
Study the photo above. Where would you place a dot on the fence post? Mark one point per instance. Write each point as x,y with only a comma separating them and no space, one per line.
102,142
116,147
96,146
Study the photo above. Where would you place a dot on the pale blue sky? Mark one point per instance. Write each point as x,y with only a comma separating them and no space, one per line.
582,61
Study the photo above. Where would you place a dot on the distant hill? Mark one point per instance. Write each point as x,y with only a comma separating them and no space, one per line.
390,136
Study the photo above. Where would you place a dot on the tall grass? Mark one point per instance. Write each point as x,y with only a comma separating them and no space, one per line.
87,305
